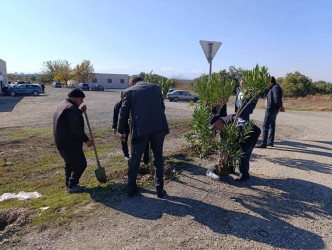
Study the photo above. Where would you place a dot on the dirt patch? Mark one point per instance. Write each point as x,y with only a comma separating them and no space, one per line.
12,221
145,172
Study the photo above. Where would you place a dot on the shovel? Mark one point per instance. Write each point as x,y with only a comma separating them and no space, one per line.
99,172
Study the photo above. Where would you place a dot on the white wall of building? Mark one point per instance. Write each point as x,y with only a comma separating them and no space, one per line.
111,81
3,74
108,81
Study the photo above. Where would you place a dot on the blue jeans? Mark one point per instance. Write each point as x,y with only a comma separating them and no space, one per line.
269,126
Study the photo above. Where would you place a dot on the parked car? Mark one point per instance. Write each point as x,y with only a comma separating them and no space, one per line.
56,85
182,95
22,82
83,86
16,89
97,87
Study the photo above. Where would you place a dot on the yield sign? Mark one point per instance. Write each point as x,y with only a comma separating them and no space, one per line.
210,49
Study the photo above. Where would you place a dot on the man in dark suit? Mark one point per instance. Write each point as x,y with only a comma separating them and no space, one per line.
148,125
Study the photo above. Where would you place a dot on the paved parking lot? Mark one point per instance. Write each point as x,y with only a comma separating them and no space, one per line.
37,111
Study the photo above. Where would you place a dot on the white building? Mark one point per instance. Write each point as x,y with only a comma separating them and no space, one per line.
111,81
108,81
3,74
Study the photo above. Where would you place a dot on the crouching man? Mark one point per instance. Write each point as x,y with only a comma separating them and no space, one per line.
217,123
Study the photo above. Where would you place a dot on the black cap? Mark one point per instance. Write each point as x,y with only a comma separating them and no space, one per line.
76,93
212,120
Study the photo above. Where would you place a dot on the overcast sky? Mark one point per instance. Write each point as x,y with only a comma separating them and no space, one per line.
133,36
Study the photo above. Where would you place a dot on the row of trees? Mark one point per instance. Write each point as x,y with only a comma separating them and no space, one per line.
293,84
296,84
61,70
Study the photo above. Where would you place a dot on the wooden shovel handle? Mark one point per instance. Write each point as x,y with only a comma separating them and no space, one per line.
94,146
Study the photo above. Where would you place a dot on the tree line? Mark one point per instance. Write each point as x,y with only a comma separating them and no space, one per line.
293,84
58,71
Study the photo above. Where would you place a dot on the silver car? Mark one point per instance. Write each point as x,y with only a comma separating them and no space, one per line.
181,95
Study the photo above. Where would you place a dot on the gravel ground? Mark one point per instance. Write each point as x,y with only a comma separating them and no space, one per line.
287,202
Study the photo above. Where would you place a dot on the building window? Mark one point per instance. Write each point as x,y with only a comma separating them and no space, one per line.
121,80
109,80
94,80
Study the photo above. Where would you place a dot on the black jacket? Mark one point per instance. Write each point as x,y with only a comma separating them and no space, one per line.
274,98
252,136
223,111
116,112
68,127
146,104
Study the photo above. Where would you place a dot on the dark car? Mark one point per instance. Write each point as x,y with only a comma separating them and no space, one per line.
182,95
83,86
16,89
22,82
97,87
56,85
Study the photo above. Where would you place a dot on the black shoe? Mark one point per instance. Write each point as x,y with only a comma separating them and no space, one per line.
242,177
270,144
75,189
262,145
161,193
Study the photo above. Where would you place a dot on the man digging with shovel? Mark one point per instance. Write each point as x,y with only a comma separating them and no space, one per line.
69,135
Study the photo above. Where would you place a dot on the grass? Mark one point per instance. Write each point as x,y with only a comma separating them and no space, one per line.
29,161
318,102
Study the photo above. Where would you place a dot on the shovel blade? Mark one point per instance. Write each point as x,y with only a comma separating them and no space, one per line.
101,174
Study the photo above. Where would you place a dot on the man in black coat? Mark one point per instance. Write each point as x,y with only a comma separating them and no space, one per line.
216,123
148,125
69,135
273,106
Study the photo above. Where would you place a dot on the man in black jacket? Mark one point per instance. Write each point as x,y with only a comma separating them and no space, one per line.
148,125
69,135
216,123
273,106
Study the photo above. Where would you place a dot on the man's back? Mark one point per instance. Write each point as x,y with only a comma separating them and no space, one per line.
146,104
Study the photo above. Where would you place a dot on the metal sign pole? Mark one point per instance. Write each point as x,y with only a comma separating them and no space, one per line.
210,59
210,49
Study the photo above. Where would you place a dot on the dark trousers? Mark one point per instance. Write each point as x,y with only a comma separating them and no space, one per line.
75,164
124,146
269,126
156,140
125,150
245,159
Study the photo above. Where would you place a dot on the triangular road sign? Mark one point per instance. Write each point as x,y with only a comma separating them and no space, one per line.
210,49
